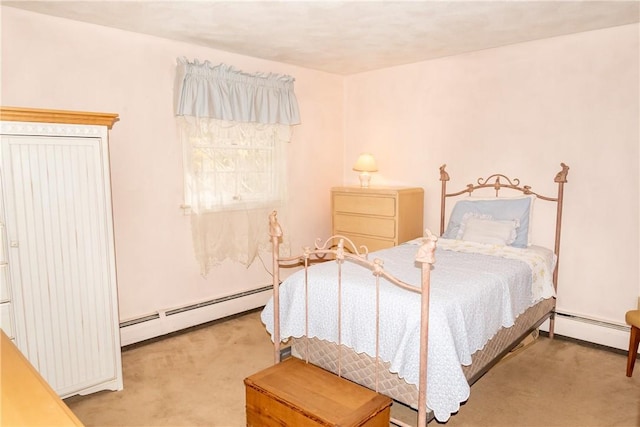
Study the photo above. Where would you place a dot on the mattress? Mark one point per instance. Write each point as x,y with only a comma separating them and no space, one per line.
364,370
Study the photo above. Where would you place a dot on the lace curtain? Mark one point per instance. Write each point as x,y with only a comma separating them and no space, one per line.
233,127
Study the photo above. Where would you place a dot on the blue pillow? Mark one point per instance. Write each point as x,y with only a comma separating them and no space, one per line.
499,209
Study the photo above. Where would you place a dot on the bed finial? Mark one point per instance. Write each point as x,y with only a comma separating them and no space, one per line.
340,251
274,228
562,175
426,252
444,176
469,188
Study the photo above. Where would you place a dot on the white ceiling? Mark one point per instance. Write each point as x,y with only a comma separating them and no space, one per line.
346,37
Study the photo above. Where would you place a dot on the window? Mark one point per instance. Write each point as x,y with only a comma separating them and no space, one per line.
234,129
236,173
231,166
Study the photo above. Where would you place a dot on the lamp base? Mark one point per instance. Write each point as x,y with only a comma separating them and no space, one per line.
365,177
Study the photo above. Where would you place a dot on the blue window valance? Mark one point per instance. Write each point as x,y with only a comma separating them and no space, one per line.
225,93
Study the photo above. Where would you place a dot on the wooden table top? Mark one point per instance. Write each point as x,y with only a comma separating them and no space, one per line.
27,399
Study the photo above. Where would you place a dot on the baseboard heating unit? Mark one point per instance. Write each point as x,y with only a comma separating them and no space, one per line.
166,321
607,333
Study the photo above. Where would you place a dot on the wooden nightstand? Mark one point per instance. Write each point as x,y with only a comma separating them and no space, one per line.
377,218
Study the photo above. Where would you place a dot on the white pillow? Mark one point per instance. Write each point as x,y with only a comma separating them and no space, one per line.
532,199
501,208
490,231
465,219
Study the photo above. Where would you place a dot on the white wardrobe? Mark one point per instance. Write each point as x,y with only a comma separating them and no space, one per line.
58,299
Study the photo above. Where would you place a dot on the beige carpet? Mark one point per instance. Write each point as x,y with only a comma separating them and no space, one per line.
195,379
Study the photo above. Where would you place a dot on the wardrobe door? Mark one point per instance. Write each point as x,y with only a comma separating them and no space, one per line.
6,304
60,242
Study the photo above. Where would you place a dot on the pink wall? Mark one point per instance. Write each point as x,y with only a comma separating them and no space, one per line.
520,110
54,63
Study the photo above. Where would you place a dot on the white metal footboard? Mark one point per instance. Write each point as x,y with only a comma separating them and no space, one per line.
328,250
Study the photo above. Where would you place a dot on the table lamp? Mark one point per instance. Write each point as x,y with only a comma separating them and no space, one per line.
365,164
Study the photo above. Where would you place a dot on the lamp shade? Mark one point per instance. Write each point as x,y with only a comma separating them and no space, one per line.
365,163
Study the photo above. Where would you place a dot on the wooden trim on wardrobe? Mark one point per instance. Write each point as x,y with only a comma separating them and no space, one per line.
18,114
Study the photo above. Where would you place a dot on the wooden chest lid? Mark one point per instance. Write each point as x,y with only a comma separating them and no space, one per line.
310,389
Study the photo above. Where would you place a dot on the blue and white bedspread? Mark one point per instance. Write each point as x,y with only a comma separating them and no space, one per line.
476,289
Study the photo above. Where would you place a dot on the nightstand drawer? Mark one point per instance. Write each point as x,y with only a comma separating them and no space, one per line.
366,205
372,243
372,226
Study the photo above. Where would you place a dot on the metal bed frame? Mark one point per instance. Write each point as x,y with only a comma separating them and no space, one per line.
346,251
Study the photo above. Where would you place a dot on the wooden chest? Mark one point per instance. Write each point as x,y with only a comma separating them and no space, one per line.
294,393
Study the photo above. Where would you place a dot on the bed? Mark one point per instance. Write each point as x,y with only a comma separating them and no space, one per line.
422,321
